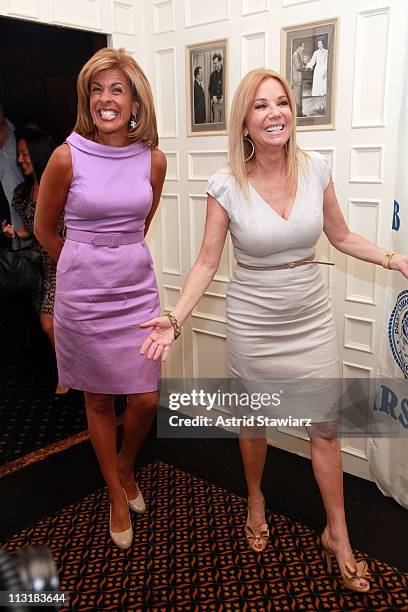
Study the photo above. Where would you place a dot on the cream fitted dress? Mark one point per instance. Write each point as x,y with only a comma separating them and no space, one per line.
279,322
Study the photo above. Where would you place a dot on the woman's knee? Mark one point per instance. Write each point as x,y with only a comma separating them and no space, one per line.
324,434
144,402
323,431
98,403
252,434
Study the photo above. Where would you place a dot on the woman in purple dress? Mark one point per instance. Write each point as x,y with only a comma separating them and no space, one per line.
107,177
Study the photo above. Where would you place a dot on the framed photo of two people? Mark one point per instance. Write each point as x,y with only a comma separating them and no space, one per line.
206,81
309,63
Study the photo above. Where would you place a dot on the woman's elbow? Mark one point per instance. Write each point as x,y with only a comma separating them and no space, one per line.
339,241
39,232
208,264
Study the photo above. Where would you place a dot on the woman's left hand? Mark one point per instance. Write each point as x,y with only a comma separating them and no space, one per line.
400,263
160,339
7,229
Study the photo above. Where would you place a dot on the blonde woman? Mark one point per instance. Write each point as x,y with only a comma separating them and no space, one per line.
276,200
107,178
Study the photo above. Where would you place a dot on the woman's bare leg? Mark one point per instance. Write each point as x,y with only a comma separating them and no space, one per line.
253,452
102,428
137,420
328,471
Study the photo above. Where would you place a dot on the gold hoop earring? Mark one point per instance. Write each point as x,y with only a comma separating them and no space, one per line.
253,148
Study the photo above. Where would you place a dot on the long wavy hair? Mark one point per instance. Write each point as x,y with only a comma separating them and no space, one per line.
239,149
104,59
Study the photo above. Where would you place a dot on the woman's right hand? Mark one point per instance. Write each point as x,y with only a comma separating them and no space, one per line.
159,340
7,229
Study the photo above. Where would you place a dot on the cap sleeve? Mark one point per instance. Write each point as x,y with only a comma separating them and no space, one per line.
217,187
320,168
324,171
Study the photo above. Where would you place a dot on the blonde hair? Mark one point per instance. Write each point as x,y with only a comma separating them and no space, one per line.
104,59
240,150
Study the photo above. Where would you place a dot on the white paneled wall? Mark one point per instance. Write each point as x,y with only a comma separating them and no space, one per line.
370,77
361,152
254,51
199,13
166,92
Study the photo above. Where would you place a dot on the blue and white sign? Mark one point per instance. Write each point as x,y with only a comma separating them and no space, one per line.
388,456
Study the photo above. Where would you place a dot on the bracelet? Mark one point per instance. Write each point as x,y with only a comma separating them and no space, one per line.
387,259
175,324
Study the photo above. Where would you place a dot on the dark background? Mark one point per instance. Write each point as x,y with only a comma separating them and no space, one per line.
39,65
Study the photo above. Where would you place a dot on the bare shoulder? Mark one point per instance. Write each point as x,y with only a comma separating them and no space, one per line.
159,161
61,162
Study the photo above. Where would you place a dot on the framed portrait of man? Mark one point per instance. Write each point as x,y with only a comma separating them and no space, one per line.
206,84
309,63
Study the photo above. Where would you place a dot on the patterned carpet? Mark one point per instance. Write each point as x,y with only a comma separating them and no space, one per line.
190,553
29,419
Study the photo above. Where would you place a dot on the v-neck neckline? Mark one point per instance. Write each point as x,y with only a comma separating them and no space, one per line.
292,210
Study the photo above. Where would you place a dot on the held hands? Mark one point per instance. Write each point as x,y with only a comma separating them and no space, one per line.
7,229
160,338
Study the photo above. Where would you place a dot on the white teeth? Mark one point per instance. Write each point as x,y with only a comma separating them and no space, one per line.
108,114
274,128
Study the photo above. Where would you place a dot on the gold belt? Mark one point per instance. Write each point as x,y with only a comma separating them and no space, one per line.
287,266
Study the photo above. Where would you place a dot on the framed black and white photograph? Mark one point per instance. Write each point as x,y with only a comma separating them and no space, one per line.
206,79
309,62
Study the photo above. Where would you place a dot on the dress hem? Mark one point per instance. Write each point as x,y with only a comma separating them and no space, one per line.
110,391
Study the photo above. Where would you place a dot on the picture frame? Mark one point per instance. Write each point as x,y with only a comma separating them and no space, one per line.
206,87
309,54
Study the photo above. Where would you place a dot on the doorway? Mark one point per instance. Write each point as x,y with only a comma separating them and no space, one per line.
39,65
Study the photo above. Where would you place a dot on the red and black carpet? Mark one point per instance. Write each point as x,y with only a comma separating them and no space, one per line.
190,553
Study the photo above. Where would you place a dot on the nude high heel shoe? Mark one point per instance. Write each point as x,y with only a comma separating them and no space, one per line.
350,576
138,503
258,539
123,539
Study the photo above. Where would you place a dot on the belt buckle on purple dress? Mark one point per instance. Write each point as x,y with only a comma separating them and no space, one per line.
114,240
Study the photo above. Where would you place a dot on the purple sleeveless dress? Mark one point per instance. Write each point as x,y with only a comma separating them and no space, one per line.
103,292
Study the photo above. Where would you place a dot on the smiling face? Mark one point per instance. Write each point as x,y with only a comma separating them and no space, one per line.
111,103
270,120
24,158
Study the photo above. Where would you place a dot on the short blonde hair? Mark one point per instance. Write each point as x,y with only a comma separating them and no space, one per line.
240,150
104,59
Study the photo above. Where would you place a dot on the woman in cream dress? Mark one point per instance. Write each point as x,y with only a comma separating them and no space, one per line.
319,87
276,200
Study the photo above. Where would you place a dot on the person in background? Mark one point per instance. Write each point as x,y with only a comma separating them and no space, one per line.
34,148
298,67
199,98
16,311
10,172
319,86
215,89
